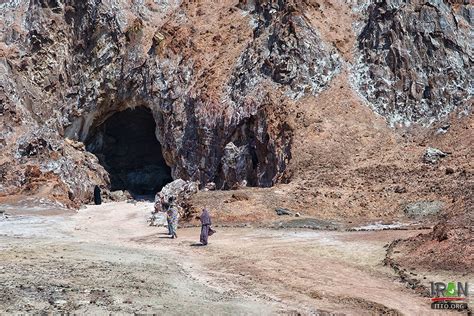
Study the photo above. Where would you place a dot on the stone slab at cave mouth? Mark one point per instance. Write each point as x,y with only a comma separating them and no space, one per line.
127,147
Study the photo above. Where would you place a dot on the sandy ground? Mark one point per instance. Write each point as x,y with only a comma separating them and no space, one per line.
105,259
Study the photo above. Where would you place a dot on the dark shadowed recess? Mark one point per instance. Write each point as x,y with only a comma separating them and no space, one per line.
127,147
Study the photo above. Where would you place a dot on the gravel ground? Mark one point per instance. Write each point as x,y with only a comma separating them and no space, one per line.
105,259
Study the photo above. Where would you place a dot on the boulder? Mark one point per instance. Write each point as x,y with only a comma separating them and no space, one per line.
433,155
210,186
119,195
423,208
179,189
238,196
283,211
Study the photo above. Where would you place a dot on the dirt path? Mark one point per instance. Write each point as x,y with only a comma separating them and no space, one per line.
106,259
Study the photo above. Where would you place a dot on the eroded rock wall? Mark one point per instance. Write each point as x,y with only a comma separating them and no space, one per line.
218,78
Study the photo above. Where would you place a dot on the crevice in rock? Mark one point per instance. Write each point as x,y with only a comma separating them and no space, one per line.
127,147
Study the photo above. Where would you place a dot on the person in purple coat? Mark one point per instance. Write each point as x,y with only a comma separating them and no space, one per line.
206,229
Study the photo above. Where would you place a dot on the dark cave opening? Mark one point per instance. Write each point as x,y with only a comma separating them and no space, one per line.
128,149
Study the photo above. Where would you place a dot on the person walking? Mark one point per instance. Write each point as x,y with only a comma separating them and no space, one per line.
172,216
206,229
165,207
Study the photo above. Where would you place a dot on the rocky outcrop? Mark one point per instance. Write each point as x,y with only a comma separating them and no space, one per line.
68,67
415,62
285,54
449,246
286,49
219,91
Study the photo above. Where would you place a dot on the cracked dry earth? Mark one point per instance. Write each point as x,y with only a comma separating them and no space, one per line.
105,259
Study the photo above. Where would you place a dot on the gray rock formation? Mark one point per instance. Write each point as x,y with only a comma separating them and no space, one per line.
283,39
415,59
179,190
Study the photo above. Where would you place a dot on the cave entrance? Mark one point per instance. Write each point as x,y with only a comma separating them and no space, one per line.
127,147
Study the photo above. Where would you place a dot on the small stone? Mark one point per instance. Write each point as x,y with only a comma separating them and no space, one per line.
240,196
60,302
210,186
400,189
449,170
443,129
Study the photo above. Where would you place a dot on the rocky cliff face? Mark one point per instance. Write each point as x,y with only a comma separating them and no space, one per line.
220,80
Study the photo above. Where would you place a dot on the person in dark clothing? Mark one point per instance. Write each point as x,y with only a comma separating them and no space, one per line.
206,229
97,197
